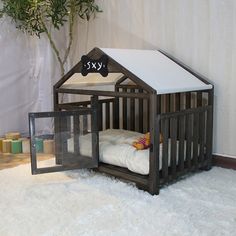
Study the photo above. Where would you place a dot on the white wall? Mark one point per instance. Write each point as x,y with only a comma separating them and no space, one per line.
201,33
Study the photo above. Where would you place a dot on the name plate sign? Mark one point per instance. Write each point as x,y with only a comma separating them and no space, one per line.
94,66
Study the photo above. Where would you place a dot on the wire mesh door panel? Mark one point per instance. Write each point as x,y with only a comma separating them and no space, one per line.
63,140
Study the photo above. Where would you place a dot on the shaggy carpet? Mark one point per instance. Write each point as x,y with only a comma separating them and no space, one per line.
87,203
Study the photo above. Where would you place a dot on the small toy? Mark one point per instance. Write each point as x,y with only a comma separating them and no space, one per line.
144,142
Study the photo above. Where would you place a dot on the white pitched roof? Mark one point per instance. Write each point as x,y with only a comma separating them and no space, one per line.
156,70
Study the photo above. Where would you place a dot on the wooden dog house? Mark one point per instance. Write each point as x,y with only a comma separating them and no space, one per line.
144,91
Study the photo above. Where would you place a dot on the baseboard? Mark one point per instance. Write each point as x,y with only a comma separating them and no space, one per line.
225,162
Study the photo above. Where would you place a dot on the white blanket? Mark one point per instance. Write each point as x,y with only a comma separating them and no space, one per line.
115,147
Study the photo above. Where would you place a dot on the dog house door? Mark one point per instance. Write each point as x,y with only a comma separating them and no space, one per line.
63,140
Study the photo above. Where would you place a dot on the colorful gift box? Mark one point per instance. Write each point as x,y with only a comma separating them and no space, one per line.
48,146
16,146
1,139
39,145
6,146
25,145
12,135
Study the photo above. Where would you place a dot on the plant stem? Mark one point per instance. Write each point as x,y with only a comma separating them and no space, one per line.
71,25
53,45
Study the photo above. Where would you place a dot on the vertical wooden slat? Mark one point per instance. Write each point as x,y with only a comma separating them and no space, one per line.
207,98
124,110
181,142
173,133
76,131
132,112
148,115
159,104
187,106
94,130
65,127
116,112
145,121
100,116
33,155
168,107
177,101
167,103
55,99
172,102
182,101
85,123
202,125
154,180
199,99
188,133
165,148
195,139
209,129
141,113
58,155
162,103
200,104
107,115
159,110
188,100
177,108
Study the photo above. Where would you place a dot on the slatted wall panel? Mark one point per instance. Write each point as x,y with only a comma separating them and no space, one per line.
184,149
133,112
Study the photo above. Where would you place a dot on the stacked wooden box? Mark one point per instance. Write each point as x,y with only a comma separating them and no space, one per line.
14,143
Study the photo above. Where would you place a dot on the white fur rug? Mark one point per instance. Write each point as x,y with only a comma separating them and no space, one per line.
87,203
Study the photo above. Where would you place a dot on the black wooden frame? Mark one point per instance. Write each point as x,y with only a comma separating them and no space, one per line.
184,119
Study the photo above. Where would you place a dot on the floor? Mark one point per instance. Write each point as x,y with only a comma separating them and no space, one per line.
8,160
203,204
85,203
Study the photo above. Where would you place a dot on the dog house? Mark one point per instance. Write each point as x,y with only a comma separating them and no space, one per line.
117,95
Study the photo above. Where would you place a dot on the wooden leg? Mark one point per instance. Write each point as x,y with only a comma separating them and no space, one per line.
154,149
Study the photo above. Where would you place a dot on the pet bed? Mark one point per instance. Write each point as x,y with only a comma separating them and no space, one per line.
115,148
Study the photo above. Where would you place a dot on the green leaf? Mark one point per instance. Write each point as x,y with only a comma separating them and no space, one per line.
29,15
35,17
